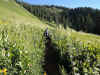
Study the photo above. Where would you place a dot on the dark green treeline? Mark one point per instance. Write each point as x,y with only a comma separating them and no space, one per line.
81,19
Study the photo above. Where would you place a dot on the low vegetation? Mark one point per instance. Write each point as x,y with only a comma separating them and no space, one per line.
23,46
23,50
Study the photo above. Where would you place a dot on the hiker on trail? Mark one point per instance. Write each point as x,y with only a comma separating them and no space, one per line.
46,34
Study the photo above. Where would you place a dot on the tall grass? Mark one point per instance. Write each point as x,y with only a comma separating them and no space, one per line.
22,51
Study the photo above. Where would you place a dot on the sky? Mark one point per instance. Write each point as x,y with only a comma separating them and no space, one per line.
67,3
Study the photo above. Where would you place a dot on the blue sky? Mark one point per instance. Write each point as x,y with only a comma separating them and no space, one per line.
67,3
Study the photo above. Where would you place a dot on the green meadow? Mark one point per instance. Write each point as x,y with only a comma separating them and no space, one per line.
22,45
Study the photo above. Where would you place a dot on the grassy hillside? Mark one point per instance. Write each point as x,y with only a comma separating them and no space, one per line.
87,21
10,12
22,44
86,37
21,41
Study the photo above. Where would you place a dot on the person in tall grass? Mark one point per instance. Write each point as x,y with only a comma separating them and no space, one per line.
46,35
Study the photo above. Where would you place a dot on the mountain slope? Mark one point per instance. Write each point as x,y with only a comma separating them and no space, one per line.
22,41
10,12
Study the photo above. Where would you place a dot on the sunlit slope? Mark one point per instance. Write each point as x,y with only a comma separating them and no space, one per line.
86,37
26,31
11,12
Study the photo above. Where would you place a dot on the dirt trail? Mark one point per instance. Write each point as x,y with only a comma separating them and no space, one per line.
51,58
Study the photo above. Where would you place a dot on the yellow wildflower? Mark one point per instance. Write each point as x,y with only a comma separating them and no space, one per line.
45,73
4,71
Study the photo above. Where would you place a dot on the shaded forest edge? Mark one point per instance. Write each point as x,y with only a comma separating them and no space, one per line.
84,19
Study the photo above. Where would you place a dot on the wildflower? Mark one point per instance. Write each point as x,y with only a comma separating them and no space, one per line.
3,52
30,65
24,71
8,54
4,71
45,73
20,63
21,52
26,52
74,48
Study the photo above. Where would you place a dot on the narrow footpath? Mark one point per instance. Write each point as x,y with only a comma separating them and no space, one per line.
51,66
